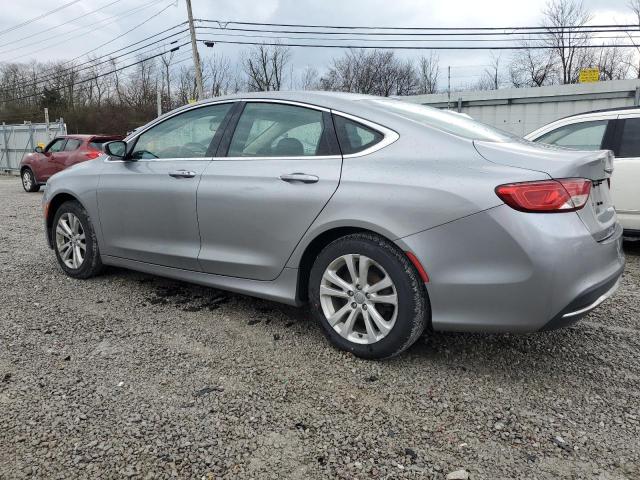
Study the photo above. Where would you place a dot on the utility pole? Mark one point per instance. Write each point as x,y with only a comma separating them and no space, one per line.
449,89
159,97
194,48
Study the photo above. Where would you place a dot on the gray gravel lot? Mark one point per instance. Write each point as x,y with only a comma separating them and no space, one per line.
133,375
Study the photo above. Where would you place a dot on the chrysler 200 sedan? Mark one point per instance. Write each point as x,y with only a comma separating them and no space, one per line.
387,217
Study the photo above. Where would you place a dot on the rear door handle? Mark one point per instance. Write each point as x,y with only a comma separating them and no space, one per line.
182,174
298,177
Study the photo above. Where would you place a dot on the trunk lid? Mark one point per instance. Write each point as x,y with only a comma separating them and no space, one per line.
598,214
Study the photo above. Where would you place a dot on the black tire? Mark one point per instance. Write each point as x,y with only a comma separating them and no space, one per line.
91,264
413,310
28,181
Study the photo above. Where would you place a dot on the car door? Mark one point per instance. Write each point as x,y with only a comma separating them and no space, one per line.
625,182
277,167
62,159
47,163
147,202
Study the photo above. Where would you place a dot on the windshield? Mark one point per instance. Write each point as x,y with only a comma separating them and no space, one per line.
443,120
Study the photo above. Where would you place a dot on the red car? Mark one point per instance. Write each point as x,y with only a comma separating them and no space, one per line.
61,153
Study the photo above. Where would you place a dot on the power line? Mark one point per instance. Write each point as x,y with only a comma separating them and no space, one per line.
115,70
210,43
91,64
108,21
413,40
39,17
296,25
543,31
40,32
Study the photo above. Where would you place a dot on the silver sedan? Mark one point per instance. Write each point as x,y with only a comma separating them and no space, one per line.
387,217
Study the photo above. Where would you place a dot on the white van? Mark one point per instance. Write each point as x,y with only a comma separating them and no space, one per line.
617,130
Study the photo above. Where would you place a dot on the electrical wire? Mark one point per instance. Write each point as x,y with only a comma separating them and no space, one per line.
40,32
39,17
105,22
115,70
296,25
400,47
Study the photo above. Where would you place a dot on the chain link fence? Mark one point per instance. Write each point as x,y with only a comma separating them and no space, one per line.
18,140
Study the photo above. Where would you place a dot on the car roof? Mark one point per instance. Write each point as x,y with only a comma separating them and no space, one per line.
609,110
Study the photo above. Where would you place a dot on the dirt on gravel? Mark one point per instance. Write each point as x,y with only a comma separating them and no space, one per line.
130,375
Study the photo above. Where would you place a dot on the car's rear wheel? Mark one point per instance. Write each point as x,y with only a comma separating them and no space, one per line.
29,182
75,241
368,296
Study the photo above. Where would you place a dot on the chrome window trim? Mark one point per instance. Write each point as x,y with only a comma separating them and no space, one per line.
389,136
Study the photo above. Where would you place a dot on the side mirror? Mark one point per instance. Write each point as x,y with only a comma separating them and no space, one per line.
116,149
39,149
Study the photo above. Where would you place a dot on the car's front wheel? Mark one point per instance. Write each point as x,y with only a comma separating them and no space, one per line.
75,241
368,296
29,182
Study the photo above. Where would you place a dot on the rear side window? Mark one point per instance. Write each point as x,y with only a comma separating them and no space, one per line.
580,136
98,144
278,130
72,144
355,137
630,139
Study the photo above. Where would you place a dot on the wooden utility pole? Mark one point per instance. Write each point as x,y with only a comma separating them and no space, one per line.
196,57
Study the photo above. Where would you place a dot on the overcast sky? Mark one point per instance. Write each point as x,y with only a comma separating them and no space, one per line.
36,42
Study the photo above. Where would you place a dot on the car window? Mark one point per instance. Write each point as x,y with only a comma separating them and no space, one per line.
581,136
353,136
186,135
98,144
630,139
72,144
278,130
56,145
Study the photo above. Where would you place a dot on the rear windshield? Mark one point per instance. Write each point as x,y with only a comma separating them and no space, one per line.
443,120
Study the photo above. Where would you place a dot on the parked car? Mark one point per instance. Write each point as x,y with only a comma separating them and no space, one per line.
616,129
60,153
384,215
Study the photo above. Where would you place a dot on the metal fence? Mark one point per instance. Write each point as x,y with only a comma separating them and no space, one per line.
18,140
522,110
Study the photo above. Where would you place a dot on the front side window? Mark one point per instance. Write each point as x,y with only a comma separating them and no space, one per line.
186,135
353,136
630,139
278,130
580,136
72,144
56,145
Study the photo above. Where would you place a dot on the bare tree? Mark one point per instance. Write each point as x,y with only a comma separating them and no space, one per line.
428,73
376,72
613,63
531,67
265,66
218,73
309,79
491,78
561,17
634,60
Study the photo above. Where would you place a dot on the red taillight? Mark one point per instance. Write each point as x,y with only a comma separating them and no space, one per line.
546,196
91,154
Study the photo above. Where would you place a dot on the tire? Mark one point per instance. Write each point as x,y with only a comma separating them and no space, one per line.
88,263
29,182
390,329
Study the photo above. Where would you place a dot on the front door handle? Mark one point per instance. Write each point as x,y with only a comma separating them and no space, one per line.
298,177
182,174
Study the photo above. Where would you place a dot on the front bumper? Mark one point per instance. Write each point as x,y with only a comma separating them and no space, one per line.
506,271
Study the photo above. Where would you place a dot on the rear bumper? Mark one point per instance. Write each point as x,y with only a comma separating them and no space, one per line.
506,271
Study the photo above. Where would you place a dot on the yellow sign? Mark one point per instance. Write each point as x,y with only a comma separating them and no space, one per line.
588,75
192,100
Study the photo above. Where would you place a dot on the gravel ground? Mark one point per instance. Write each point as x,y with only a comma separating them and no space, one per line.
133,375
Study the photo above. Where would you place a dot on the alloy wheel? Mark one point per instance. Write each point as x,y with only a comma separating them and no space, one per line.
358,299
70,240
27,183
